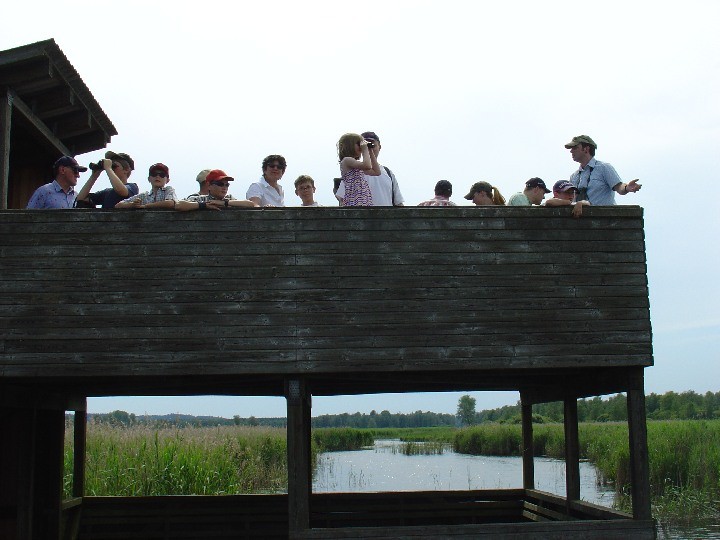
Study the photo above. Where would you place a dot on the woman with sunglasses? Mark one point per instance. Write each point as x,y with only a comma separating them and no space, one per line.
267,191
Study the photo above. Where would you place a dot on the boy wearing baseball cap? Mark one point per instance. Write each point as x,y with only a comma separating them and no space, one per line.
217,182
564,195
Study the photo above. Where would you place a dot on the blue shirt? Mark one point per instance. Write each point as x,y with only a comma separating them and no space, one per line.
52,196
599,178
108,198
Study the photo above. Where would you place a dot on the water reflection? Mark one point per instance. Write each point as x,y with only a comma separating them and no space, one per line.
385,468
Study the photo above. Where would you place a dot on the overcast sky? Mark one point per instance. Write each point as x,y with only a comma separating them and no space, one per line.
464,91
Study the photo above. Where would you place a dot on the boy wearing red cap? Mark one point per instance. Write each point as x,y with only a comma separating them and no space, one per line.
160,195
217,198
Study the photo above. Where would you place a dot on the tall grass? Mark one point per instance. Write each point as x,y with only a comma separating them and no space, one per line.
143,461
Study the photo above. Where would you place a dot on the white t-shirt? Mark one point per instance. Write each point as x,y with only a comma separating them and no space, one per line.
266,193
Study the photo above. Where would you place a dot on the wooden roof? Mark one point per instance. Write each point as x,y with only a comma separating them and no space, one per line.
49,96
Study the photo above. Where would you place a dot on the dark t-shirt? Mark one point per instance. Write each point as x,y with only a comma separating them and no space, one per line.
108,198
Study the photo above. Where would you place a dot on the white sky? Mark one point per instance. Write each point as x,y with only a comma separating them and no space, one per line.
464,91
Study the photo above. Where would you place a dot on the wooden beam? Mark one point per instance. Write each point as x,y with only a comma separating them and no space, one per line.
572,450
79,451
5,132
639,469
528,457
47,136
298,449
49,461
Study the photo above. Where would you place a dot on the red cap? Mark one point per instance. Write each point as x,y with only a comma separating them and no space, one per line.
217,174
159,167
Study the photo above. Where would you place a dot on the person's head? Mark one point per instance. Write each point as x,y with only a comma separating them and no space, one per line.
535,190
158,175
349,146
218,183
66,171
125,161
273,168
562,189
483,193
202,190
582,149
443,189
305,188
372,139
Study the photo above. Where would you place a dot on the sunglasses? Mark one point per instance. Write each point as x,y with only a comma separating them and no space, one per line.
275,166
159,174
219,183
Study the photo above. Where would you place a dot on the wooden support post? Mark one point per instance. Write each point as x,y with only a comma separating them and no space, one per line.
572,450
5,132
639,469
49,462
298,448
528,457
25,439
79,445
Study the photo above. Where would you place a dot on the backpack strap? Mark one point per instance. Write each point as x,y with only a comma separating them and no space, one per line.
392,182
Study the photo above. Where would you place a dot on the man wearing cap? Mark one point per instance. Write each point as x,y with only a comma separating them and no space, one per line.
118,168
384,188
564,195
60,193
202,190
534,193
267,191
160,195
443,192
595,180
217,198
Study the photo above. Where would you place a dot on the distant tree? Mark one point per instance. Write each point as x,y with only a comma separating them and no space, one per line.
253,421
236,419
466,410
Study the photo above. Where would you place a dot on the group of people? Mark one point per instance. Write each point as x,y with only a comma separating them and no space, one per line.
363,182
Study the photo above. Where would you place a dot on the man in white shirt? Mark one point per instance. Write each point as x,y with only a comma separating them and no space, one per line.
384,188
267,191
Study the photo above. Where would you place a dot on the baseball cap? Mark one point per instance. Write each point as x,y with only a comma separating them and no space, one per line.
159,167
120,156
581,139
201,175
563,185
69,161
536,182
479,186
370,135
217,174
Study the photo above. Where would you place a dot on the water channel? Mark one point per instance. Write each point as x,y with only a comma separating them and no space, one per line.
384,467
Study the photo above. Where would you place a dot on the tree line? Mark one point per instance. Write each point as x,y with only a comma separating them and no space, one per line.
668,406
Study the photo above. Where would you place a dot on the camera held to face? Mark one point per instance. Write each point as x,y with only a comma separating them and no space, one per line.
370,143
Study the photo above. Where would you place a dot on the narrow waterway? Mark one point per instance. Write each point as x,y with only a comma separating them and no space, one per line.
384,467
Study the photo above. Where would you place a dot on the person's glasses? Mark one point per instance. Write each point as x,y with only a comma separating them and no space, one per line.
219,183
275,166
160,174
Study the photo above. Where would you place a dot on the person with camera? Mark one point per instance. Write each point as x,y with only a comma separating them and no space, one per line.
384,187
60,193
218,183
596,181
118,168
160,195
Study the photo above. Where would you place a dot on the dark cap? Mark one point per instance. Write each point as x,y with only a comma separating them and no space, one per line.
370,135
443,187
159,167
581,139
479,186
120,156
217,174
563,185
536,182
68,161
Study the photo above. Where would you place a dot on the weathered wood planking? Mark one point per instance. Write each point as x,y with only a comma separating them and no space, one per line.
327,290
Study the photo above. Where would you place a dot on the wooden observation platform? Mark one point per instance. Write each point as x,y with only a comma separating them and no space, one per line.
299,302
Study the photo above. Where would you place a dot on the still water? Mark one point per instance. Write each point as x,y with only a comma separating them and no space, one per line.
384,467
